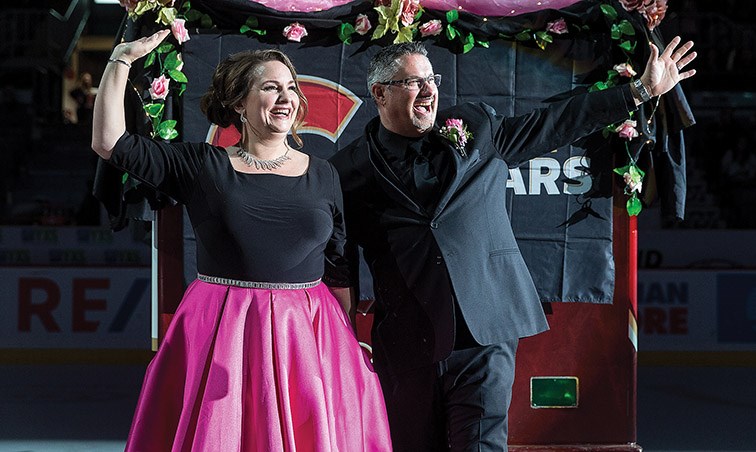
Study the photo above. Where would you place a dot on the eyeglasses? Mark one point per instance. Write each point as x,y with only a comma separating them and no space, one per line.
415,83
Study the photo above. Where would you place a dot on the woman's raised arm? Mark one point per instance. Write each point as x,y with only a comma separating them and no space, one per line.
109,122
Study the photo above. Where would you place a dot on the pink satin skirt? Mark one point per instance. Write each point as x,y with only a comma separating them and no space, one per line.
244,369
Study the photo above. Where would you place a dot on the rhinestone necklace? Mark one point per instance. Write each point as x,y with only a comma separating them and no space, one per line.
267,165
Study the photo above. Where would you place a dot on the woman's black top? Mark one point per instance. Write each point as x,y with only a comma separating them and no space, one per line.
251,227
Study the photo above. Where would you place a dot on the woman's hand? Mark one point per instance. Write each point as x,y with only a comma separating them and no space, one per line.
132,51
665,70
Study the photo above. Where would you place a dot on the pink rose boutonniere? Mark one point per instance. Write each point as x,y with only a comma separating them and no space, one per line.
456,131
295,32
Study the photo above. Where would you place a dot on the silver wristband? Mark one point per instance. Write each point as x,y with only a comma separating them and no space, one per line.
640,88
119,61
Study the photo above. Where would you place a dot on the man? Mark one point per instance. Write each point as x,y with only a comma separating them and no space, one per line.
453,294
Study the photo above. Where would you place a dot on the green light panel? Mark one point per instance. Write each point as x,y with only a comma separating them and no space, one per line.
554,392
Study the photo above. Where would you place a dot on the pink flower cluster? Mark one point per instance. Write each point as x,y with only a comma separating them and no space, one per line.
409,9
295,32
362,24
456,131
651,10
624,69
558,27
431,28
627,129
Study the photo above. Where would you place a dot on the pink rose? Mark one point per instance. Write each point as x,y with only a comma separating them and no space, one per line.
631,184
128,5
362,24
431,28
627,130
159,87
558,27
295,32
454,123
631,5
408,11
624,70
654,12
178,29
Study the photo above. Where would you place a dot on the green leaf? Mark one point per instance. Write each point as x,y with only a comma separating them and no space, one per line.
166,16
545,36
164,48
623,169
609,11
186,7
150,59
166,130
383,13
153,110
177,75
252,22
451,32
636,173
598,86
207,21
172,61
468,43
627,28
379,31
345,33
144,6
524,35
628,46
405,34
182,88
483,44
169,123
633,206
124,178
452,15
192,15
615,32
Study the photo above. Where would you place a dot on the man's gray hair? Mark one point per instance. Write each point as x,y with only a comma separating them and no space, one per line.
385,64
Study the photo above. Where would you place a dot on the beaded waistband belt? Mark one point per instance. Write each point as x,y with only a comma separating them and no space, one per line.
255,284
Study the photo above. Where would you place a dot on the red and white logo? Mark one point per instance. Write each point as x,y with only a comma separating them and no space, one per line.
332,107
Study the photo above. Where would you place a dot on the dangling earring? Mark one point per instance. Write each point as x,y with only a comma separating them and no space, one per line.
242,118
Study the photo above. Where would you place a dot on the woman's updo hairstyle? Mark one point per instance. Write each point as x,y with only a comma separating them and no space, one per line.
231,82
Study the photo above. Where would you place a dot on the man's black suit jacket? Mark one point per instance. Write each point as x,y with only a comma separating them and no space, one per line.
465,248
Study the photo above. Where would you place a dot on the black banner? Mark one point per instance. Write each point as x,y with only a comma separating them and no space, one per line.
560,203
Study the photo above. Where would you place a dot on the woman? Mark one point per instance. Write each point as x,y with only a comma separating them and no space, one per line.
260,355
